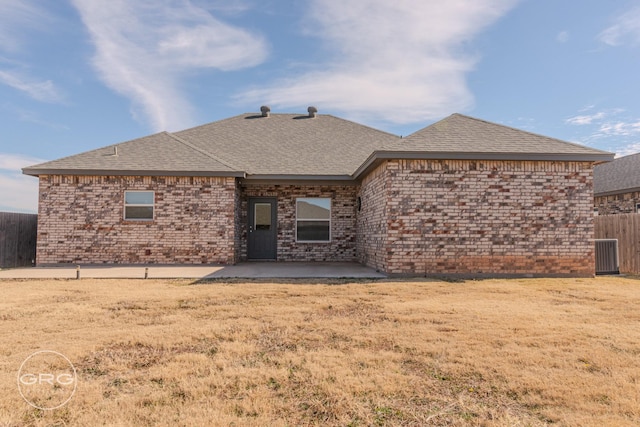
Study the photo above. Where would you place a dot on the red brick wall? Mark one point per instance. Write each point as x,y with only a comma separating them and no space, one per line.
481,217
617,204
237,233
416,217
343,228
372,224
81,220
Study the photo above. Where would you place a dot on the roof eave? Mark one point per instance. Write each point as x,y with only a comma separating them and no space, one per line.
377,156
616,192
299,178
133,172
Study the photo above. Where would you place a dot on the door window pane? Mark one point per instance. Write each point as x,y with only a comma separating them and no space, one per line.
262,216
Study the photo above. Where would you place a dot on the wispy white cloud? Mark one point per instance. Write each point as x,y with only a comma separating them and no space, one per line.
145,49
44,91
397,61
563,37
525,123
15,162
625,29
628,149
14,17
620,128
29,116
593,117
586,119
608,123
613,127
18,192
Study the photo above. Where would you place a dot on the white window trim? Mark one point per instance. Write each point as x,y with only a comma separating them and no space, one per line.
133,205
316,219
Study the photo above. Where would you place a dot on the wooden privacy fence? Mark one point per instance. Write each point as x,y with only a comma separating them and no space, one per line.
17,239
626,229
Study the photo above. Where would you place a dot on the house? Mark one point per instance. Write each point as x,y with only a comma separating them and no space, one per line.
462,196
616,186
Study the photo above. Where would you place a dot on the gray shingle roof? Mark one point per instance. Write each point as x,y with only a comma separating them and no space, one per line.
619,176
462,134
289,144
463,137
279,145
152,155
299,147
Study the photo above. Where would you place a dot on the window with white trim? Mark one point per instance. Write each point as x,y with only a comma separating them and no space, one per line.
313,219
637,207
139,205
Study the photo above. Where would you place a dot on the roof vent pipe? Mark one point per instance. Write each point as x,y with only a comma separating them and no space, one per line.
265,110
313,111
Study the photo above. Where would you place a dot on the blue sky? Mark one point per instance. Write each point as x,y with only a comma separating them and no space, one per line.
80,74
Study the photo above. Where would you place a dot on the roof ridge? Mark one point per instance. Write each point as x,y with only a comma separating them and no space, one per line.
519,130
200,150
291,114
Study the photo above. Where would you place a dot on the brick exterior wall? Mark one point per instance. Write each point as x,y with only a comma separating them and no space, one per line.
372,224
81,220
416,217
237,253
479,218
617,204
343,228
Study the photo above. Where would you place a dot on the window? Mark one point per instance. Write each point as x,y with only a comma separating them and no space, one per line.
637,207
313,220
138,205
262,216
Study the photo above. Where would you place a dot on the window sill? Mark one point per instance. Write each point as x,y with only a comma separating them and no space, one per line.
138,221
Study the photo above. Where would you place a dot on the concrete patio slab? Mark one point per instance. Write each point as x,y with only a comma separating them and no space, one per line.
350,270
247,270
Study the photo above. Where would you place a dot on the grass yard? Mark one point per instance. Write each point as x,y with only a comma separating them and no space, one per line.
494,352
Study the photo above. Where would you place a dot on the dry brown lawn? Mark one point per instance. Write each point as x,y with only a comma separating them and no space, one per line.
494,352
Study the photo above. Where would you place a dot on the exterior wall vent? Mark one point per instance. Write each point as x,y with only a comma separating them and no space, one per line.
313,111
265,110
